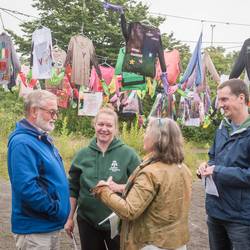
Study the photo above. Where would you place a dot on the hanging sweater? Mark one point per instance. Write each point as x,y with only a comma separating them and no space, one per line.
172,60
143,45
81,53
9,63
242,62
41,57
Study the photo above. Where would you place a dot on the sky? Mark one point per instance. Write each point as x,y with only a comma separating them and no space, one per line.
228,35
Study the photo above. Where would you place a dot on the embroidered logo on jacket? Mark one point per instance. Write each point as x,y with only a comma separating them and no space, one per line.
114,167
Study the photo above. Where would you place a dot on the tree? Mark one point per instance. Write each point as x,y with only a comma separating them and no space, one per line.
171,43
223,61
66,18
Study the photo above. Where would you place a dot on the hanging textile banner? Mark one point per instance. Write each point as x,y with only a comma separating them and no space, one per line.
194,65
9,62
41,55
89,103
143,45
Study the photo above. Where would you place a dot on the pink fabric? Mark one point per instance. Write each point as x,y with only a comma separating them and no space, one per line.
107,75
172,60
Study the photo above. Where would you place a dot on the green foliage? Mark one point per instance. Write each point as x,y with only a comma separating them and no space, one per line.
194,156
66,17
223,62
11,110
70,123
199,135
170,43
68,146
3,157
133,136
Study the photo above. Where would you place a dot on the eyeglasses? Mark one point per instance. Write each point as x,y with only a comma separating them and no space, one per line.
52,112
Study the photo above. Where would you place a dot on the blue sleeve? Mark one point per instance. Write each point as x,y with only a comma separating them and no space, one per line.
24,167
211,152
211,155
232,176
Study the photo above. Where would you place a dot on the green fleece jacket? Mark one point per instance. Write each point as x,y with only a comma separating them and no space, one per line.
89,166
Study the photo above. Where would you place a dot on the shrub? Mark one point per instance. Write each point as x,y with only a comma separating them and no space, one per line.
68,146
133,136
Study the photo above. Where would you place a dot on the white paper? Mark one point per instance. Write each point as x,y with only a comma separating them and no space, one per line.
210,186
114,222
89,103
196,122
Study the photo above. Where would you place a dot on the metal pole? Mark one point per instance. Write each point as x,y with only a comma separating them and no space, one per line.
212,33
83,10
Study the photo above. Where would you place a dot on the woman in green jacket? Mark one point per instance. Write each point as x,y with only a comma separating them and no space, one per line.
155,204
105,156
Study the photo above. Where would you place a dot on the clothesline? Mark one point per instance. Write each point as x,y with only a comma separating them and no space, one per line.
18,13
153,13
200,20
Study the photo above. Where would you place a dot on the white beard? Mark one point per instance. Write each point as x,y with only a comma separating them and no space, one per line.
47,126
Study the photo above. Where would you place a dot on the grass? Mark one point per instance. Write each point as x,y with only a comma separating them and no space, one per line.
194,156
3,158
69,145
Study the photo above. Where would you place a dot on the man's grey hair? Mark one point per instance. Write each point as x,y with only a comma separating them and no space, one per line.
37,98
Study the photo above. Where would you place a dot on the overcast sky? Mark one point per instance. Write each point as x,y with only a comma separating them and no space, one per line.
230,11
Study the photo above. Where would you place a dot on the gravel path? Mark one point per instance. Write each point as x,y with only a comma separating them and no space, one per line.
198,227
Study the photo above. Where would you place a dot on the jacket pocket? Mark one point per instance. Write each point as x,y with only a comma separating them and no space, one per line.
29,212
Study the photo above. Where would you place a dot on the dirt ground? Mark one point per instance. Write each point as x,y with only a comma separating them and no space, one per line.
198,229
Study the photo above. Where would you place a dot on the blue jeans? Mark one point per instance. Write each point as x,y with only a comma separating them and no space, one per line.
225,235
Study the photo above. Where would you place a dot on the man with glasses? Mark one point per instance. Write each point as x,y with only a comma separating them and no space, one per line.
40,193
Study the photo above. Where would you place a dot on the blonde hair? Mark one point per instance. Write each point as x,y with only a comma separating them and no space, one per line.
37,98
111,112
167,140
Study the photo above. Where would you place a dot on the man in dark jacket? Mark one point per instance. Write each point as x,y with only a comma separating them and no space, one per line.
40,192
229,167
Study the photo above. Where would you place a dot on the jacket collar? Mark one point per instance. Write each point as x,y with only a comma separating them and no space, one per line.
25,127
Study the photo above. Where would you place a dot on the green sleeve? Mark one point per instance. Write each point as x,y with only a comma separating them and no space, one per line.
74,179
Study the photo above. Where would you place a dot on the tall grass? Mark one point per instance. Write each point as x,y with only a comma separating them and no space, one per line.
133,136
3,157
194,153
68,144
194,156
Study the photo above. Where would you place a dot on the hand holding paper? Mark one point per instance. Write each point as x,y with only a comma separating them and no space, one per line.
114,222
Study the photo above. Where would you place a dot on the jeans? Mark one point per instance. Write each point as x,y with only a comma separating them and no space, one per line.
226,235
94,239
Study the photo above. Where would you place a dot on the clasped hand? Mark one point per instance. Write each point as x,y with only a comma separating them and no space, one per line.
117,188
205,170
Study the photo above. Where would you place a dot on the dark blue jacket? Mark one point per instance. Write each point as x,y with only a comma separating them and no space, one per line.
40,192
230,154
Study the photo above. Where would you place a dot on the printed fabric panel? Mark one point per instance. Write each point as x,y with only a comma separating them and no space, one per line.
142,49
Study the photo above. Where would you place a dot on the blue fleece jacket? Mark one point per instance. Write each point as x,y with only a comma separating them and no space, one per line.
40,192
